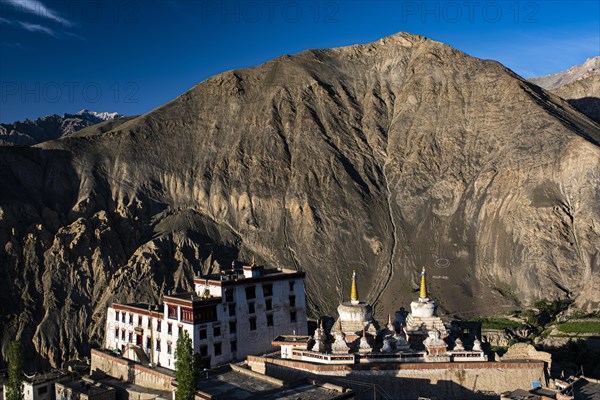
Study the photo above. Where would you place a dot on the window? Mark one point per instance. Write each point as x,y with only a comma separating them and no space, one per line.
252,324
269,304
217,349
268,290
217,331
148,343
229,295
202,334
158,345
251,308
293,316
123,334
158,325
130,337
116,333
232,327
148,322
205,314
292,301
233,344
118,315
187,315
172,312
168,348
42,390
250,292
231,310
203,351
291,286
269,319
169,329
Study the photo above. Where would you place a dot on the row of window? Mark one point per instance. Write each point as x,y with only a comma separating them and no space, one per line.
217,348
268,306
252,320
128,318
251,291
203,349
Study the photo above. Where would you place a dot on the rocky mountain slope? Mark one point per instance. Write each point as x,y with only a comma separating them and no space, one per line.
50,127
381,157
579,85
590,67
583,94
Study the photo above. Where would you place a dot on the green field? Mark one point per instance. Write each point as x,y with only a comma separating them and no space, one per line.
580,327
499,323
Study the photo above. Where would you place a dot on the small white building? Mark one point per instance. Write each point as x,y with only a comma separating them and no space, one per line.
39,386
229,316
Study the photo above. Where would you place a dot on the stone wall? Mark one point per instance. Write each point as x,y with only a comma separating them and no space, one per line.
132,372
446,381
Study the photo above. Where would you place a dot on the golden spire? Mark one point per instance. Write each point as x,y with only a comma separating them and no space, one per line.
354,292
423,293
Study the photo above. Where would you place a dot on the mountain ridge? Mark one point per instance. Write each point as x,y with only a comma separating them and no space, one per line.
381,157
50,127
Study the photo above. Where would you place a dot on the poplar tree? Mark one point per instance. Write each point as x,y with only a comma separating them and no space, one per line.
14,388
185,373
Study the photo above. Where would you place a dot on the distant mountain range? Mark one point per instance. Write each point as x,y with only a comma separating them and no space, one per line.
50,127
579,85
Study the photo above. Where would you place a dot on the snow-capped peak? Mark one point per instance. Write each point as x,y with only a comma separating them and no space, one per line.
100,115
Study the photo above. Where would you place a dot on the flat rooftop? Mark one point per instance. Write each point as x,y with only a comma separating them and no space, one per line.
230,384
271,273
40,379
86,387
292,339
586,390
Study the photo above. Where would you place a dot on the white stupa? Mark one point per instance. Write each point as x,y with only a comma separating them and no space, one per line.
356,316
423,318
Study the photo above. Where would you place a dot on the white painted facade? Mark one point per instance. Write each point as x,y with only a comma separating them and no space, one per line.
39,387
228,317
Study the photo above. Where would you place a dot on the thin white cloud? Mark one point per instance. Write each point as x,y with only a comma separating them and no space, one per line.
5,21
37,28
38,8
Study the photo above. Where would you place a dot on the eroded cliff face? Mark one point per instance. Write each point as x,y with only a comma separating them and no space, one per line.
381,158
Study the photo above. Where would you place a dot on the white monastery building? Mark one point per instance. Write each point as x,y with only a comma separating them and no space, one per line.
228,316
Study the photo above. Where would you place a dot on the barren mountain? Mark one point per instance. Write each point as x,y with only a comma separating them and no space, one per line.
381,157
590,67
583,94
579,85
50,127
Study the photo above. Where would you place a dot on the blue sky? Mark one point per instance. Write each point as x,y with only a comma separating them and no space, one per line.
132,56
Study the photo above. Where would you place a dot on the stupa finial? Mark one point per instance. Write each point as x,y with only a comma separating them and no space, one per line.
423,293
354,292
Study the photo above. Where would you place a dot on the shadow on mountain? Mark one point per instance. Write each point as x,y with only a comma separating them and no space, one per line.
590,106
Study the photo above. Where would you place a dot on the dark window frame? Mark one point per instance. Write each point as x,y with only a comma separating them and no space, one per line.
250,292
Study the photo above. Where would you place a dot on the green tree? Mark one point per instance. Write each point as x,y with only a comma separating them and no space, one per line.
185,373
14,388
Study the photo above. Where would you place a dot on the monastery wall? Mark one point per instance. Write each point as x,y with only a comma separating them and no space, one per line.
411,380
130,372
